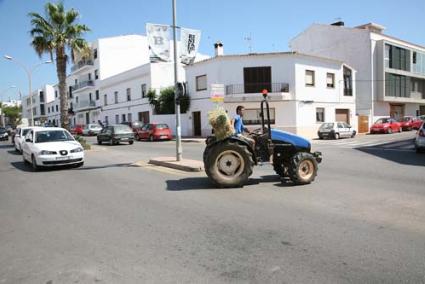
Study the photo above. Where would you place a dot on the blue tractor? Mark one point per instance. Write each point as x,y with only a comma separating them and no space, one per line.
229,162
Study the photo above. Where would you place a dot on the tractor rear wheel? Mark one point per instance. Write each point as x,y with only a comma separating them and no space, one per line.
228,164
303,169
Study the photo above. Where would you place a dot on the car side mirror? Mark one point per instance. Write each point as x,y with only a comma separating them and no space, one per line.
28,140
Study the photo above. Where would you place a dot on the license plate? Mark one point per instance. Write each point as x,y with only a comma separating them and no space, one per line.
62,158
163,136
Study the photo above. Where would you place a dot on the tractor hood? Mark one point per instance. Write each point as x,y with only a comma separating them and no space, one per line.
286,137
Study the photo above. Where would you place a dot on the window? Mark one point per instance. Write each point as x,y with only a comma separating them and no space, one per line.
117,119
309,78
320,114
123,117
90,97
96,74
201,83
129,117
34,110
48,109
57,108
143,90
89,76
399,58
70,92
56,94
95,53
76,100
348,82
330,80
76,82
106,119
256,79
253,116
414,57
105,99
116,97
128,94
97,95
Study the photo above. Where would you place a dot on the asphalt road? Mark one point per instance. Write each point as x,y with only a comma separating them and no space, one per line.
112,221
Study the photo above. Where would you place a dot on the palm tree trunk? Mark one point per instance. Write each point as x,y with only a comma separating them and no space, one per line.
61,72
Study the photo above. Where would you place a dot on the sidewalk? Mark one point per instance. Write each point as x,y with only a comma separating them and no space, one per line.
183,165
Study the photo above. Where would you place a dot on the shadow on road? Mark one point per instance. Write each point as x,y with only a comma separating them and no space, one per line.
121,165
202,183
401,152
27,168
5,146
13,152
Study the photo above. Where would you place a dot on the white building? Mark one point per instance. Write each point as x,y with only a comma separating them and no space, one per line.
109,56
391,72
40,98
123,96
304,90
12,103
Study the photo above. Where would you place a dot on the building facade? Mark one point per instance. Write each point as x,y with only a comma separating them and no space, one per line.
40,99
304,90
390,71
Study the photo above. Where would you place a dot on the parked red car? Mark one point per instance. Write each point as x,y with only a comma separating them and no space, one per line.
154,131
77,129
386,125
410,122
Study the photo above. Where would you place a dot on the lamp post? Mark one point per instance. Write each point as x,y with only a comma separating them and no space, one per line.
28,71
176,78
1,98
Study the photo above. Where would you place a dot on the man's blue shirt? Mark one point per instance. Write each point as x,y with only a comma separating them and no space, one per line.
238,124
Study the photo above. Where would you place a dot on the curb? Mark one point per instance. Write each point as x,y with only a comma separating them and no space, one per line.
185,165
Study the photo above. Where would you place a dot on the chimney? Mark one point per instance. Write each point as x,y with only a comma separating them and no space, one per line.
375,28
338,24
218,47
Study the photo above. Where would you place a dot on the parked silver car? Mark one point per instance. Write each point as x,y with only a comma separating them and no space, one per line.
420,139
92,129
336,130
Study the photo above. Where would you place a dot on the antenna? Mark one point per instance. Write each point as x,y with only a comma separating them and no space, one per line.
248,39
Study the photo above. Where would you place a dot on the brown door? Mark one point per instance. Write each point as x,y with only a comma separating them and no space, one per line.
396,111
363,123
144,116
196,123
342,115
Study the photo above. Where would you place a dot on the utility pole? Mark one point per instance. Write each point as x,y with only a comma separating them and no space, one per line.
177,99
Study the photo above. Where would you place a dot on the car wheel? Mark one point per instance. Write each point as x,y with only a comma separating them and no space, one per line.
79,165
99,142
336,136
137,137
35,167
353,134
25,160
151,138
131,142
389,130
320,137
400,130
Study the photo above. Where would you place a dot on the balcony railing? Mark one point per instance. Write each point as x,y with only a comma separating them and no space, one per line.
252,88
85,104
81,64
83,84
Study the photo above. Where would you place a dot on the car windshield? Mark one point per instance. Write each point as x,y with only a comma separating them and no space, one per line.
407,119
382,120
327,126
95,126
2,130
122,129
52,136
161,126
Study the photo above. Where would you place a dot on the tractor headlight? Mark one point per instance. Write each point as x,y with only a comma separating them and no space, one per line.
77,150
44,152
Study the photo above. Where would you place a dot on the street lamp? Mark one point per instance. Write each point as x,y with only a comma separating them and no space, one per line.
29,71
1,99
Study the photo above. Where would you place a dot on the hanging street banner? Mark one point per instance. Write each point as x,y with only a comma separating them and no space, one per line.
159,42
189,43
217,93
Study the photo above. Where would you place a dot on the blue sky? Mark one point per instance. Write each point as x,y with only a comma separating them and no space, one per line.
270,24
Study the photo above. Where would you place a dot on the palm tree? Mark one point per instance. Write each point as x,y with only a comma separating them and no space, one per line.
55,34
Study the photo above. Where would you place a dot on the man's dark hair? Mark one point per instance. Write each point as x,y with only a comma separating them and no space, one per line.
239,108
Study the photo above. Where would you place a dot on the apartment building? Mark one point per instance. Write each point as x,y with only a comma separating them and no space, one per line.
390,71
304,90
40,99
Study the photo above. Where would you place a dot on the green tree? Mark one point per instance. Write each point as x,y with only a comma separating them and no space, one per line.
13,113
165,103
56,34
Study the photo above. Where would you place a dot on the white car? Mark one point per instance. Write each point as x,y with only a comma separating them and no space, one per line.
48,147
20,136
420,139
92,129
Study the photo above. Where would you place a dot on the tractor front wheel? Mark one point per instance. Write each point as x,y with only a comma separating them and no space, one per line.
228,164
303,169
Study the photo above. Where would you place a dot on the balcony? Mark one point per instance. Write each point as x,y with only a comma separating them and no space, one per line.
253,92
85,105
80,64
82,85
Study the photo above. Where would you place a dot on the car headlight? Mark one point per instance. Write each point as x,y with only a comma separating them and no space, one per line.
77,150
44,152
